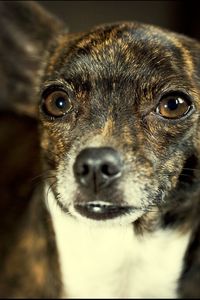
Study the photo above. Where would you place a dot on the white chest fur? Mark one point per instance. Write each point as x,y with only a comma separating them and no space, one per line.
113,262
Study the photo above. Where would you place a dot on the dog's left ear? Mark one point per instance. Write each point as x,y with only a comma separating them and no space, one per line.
26,30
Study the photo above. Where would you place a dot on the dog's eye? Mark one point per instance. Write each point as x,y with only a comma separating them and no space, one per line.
173,106
57,104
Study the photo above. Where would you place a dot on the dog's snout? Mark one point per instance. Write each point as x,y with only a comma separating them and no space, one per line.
96,168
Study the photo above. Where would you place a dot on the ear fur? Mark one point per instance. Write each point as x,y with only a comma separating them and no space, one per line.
26,31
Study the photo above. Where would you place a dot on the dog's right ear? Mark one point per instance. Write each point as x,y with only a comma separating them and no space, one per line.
26,29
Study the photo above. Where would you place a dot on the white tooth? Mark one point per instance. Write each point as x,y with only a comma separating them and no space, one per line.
96,209
99,203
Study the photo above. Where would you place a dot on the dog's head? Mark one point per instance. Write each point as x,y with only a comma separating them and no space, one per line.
119,117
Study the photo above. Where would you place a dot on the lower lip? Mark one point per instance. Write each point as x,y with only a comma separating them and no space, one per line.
102,210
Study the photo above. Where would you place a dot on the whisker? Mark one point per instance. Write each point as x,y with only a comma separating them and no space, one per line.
48,191
42,174
191,169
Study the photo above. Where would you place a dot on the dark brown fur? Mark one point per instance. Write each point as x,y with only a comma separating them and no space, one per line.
114,75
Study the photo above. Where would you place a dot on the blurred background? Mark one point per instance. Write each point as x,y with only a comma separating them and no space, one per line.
180,16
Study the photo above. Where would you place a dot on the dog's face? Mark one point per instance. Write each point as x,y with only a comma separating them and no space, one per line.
120,114
118,109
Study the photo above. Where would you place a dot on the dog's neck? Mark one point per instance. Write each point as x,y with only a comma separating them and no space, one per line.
112,262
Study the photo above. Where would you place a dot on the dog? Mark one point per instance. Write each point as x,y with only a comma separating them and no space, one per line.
117,111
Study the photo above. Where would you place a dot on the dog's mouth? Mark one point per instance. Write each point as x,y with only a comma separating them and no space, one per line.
102,210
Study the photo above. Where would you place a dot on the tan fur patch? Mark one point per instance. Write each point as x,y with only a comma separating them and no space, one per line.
108,127
127,135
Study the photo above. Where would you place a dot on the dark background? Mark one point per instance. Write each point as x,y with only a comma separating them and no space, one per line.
180,16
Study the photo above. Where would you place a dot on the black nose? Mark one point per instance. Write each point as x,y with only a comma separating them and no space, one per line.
96,168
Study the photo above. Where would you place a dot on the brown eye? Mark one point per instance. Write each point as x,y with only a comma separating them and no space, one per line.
173,106
57,104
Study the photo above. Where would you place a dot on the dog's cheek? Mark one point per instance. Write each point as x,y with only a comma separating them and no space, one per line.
49,150
66,187
56,139
196,139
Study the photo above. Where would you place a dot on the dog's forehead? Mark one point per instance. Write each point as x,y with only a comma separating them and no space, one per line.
122,50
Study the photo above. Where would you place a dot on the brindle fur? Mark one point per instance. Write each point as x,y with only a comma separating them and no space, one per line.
115,75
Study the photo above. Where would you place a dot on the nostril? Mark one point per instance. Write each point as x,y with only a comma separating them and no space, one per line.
109,169
83,170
